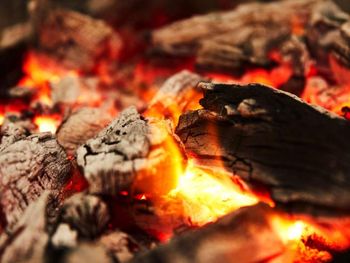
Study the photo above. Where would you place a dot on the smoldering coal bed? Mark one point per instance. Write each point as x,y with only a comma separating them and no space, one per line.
195,131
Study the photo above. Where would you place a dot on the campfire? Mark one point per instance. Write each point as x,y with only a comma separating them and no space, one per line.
201,133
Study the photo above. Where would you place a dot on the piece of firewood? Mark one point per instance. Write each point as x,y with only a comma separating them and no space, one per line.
28,167
29,238
223,241
232,40
185,35
81,126
299,152
130,153
77,40
87,214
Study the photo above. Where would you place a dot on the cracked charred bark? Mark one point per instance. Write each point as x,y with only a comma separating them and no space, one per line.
130,153
272,138
28,167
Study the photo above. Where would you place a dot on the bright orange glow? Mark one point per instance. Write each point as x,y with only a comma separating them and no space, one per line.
2,117
206,197
47,123
288,230
273,78
39,71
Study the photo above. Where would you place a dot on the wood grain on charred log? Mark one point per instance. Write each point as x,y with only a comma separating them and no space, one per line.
223,241
130,152
28,167
272,138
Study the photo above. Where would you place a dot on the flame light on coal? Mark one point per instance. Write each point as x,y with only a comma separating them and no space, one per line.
205,131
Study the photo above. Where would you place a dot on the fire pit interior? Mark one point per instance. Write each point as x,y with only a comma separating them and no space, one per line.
175,131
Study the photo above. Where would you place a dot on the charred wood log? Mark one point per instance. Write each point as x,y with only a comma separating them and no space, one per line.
128,154
87,214
272,138
77,40
28,167
232,40
81,126
223,241
29,238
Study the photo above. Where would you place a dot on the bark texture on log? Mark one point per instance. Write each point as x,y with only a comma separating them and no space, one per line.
28,167
223,241
129,153
77,40
29,238
81,126
272,138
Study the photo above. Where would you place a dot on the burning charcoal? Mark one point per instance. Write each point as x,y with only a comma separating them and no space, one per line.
223,241
87,214
66,90
175,86
77,40
272,138
28,167
180,90
81,126
130,153
28,241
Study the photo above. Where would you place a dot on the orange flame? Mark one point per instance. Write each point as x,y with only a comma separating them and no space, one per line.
47,123
2,118
39,71
206,197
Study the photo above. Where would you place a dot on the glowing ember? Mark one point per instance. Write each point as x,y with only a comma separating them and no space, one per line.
2,117
47,123
288,230
207,197
39,70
